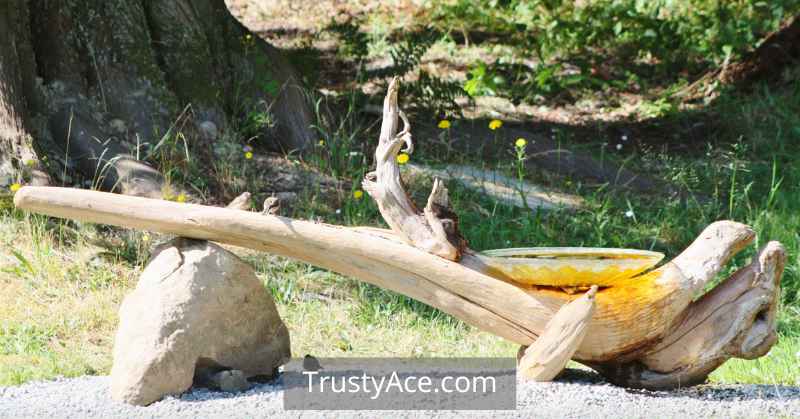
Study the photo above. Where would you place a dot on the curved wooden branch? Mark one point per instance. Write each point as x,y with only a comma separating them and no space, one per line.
710,251
372,255
629,338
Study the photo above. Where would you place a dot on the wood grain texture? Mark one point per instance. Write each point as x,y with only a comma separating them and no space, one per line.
629,318
424,230
735,319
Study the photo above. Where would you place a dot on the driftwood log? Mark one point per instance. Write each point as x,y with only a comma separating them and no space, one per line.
647,330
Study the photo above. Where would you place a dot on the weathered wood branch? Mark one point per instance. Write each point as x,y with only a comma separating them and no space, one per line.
547,357
364,254
241,202
630,320
425,230
735,319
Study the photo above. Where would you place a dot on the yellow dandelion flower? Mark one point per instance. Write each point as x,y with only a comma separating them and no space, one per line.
321,143
248,37
358,194
145,237
444,124
520,142
402,158
14,187
495,124
181,198
248,155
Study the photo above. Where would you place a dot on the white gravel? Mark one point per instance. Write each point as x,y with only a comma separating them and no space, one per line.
579,394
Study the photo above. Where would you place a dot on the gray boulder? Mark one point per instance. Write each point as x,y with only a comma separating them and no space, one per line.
196,306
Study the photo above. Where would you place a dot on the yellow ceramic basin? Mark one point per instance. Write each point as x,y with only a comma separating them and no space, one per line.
568,266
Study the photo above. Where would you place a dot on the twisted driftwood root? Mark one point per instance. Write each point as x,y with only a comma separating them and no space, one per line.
734,320
645,332
428,230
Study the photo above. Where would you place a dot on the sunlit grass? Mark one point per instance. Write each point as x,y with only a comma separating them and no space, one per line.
780,367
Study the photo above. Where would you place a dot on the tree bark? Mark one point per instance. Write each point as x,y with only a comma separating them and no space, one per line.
95,85
17,156
779,50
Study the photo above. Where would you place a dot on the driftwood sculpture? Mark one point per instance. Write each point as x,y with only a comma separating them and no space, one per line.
606,308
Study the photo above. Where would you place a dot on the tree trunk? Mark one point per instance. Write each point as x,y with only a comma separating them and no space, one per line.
95,85
16,88
779,50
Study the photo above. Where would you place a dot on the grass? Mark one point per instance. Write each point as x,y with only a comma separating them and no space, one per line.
781,366
59,304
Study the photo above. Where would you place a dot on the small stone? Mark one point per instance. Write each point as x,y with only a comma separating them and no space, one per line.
230,381
208,130
118,126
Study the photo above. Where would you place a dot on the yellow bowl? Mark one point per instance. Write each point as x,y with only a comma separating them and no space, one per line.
568,266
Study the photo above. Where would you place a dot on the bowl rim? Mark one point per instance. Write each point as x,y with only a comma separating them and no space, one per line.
573,252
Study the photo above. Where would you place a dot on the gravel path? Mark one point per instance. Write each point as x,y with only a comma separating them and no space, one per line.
579,395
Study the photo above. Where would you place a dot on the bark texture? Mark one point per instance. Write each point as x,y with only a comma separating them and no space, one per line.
95,85
17,92
779,50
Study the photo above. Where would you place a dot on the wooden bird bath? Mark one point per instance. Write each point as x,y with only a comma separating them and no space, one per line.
639,327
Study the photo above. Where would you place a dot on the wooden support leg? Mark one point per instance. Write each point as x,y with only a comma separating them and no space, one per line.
548,355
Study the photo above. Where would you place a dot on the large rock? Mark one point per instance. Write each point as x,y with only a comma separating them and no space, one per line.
196,305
